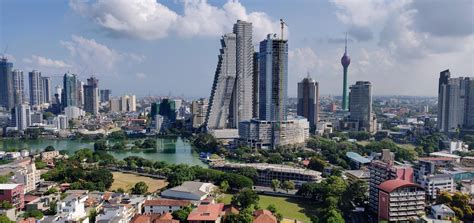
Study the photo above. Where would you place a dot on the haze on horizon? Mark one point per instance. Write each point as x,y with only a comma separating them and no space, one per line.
171,47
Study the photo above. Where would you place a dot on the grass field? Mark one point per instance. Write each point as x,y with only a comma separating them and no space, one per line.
127,181
408,146
290,208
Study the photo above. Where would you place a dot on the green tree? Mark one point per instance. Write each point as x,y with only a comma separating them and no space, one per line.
49,148
249,172
34,214
149,143
316,163
272,208
275,158
245,216
140,188
237,181
333,216
288,185
224,186
5,204
357,193
5,219
276,184
100,145
182,214
245,198
118,135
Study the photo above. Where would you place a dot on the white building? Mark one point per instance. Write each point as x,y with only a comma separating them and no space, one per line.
128,103
162,206
457,146
116,214
190,190
73,112
22,118
29,176
62,122
269,134
72,208
433,184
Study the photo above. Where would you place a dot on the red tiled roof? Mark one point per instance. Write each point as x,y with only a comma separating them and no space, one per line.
28,198
264,216
28,220
210,212
153,218
436,158
390,185
166,202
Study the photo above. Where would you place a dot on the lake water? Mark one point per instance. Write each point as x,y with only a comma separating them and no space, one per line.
170,150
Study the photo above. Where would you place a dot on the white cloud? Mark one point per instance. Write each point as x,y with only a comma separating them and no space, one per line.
150,20
43,62
302,61
140,76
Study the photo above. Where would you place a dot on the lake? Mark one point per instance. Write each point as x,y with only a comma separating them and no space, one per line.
170,150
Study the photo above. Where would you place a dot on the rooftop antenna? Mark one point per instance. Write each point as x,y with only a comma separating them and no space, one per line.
282,26
4,56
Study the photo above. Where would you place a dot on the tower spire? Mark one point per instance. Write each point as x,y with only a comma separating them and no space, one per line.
345,47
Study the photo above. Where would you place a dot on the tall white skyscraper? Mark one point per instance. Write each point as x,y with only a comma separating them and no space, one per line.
22,116
242,104
223,86
36,88
18,87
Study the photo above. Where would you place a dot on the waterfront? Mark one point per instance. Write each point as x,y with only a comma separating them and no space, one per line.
170,150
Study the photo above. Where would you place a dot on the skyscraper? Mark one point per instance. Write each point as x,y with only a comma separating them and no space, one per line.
198,112
360,106
69,91
242,102
91,96
6,84
455,103
308,100
80,93
105,95
345,61
255,85
219,108
18,87
36,88
273,79
47,96
21,115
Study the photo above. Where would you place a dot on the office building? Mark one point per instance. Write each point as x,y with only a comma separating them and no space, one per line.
47,94
59,91
105,95
6,84
199,112
91,96
255,83
18,87
381,171
69,91
345,61
21,116
308,101
270,134
114,105
219,109
361,117
80,93
128,103
242,100
268,172
455,103
400,201
426,175
273,79
36,88
73,112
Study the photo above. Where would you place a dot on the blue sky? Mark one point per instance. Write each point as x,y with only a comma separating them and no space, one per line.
170,46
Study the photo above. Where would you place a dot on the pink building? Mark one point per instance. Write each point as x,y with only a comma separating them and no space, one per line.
12,193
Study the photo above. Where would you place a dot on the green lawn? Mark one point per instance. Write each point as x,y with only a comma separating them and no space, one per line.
289,207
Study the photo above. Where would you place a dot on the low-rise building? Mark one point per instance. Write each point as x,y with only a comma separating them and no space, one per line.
49,155
13,193
72,208
400,200
210,213
268,172
436,183
115,214
355,175
264,216
467,161
161,206
190,190
153,218
356,160
29,176
442,212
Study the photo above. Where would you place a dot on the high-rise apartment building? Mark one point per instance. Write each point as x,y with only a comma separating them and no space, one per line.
91,96
455,103
69,91
219,109
273,79
383,170
105,95
400,201
47,94
36,88
308,101
360,107
255,84
80,93
18,87
242,101
21,116
128,103
198,112
6,84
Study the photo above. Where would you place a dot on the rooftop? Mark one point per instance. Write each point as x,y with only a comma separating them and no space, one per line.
391,185
357,157
441,208
210,212
8,186
166,202
267,166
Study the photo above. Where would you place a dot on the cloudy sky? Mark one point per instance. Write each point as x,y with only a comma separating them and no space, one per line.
170,46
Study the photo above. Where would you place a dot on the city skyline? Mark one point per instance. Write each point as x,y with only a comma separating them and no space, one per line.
389,43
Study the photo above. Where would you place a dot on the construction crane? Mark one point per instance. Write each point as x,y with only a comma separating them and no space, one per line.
4,55
282,27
